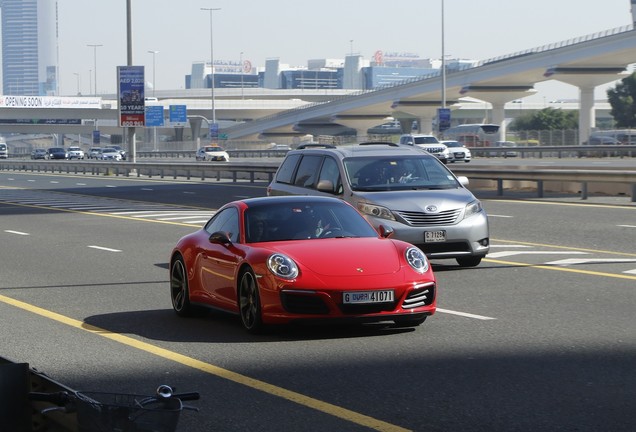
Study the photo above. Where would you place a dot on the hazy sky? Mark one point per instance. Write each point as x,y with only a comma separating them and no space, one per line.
296,30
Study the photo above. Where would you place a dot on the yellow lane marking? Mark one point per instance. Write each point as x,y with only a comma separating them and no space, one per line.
208,368
563,269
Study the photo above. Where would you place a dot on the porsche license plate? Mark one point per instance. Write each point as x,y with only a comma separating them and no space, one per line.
434,236
362,297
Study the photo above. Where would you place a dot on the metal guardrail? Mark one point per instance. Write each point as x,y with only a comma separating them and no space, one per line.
575,151
264,170
560,175
203,170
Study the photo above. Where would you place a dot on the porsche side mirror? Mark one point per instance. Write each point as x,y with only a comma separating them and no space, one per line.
385,231
220,237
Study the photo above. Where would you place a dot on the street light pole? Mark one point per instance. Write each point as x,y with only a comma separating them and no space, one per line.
95,46
132,139
242,71
154,86
154,83
79,81
443,62
211,10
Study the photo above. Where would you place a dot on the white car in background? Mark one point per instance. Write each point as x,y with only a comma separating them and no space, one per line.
458,151
110,154
430,143
75,153
212,153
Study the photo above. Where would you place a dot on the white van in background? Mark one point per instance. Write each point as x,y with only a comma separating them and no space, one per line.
4,152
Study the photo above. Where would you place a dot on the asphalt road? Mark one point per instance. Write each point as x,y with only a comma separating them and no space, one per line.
540,336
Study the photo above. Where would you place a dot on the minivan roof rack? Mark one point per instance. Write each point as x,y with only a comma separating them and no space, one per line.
386,143
314,145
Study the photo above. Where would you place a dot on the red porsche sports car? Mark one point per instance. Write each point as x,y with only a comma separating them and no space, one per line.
277,260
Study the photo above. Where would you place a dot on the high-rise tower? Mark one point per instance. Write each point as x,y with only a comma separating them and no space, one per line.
29,47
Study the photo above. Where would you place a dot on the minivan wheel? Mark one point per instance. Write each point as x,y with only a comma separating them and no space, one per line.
471,261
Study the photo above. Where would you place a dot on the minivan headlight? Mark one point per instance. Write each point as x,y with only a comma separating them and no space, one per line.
416,259
473,208
375,211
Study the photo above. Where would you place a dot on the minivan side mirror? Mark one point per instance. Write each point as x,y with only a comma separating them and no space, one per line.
463,180
325,186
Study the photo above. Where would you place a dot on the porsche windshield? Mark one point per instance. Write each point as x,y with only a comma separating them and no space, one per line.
397,173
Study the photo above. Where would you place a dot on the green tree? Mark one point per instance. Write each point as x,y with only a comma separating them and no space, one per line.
546,119
621,98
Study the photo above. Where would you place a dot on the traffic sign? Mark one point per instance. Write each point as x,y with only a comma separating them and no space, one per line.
154,116
178,115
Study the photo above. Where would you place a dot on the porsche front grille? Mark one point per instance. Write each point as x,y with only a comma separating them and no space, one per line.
422,296
303,304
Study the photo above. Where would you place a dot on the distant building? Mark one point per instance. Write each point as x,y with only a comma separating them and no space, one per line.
29,47
226,75
354,72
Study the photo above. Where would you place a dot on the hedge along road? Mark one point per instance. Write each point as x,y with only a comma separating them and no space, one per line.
518,332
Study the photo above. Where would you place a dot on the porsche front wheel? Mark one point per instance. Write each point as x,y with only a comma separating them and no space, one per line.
179,291
249,302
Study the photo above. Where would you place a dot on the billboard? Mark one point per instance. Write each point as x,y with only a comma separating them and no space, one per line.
130,93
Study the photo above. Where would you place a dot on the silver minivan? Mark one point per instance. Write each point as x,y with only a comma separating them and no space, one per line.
397,186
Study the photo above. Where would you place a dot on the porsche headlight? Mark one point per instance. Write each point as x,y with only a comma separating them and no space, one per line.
376,211
282,266
473,208
416,259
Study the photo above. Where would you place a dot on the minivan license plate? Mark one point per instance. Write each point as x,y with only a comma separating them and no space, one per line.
360,297
434,236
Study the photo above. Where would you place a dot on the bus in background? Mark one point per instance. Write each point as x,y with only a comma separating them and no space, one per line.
4,153
473,135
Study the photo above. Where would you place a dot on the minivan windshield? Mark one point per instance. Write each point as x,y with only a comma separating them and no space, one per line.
397,173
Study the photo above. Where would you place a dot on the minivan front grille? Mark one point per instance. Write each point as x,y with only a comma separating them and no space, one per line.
421,219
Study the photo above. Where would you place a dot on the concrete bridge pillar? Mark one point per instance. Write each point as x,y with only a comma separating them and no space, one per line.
499,118
587,117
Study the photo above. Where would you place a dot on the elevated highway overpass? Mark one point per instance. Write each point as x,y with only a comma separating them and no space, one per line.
585,62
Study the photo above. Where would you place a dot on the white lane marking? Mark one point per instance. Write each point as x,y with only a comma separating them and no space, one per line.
80,184
630,271
54,182
189,193
499,216
509,246
104,248
16,232
626,226
31,180
111,186
146,189
180,217
575,261
10,178
511,253
465,314
136,212
151,215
